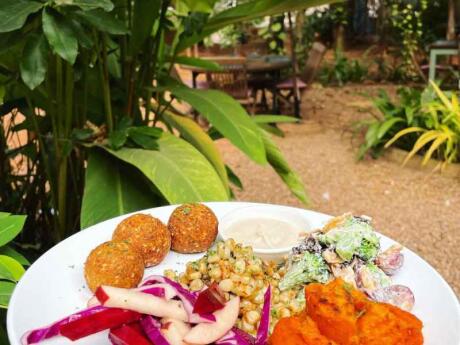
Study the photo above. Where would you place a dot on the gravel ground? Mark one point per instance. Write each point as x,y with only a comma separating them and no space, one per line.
415,207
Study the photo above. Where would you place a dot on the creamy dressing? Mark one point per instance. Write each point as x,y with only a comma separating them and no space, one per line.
264,233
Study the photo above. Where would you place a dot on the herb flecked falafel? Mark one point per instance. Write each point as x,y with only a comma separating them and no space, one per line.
193,228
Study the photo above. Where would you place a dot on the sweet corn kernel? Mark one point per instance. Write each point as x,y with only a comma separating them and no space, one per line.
215,273
284,312
213,258
252,317
226,285
240,266
194,275
196,285
247,327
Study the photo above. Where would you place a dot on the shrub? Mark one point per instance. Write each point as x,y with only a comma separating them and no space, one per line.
426,123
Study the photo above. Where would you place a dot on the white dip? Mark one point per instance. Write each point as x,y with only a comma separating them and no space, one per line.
264,233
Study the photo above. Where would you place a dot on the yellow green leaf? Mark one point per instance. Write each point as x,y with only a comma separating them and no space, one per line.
195,135
441,95
10,269
439,140
402,133
424,139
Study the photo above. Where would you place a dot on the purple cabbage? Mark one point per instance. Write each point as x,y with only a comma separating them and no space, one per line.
38,335
264,325
151,327
236,336
188,299
154,290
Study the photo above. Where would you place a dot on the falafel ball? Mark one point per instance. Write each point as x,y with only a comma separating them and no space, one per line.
147,234
115,264
193,228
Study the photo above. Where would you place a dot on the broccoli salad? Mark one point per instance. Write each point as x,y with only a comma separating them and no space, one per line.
347,247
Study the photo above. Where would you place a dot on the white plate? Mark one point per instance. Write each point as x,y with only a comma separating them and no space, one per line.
54,287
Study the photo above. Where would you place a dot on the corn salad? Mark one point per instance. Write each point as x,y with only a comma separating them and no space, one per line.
237,271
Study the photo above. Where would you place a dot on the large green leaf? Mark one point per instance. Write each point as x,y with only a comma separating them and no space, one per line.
10,227
248,11
112,188
34,62
278,162
228,116
195,135
14,13
275,119
60,35
6,289
197,62
178,170
187,6
7,250
10,269
87,5
104,21
145,14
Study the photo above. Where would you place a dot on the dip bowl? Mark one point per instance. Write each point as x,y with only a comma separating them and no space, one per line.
288,215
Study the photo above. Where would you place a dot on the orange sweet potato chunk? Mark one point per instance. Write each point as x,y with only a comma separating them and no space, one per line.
331,307
382,323
298,330
337,314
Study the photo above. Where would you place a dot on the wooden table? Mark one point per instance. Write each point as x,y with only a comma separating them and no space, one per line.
261,65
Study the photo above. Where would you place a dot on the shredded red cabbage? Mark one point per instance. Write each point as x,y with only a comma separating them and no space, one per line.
264,325
246,337
151,328
37,335
154,290
236,336
187,297
40,334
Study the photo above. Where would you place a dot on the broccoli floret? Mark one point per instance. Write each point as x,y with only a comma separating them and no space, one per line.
354,237
310,268
369,249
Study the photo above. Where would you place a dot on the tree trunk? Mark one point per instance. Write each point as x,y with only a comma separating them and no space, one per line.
451,21
340,37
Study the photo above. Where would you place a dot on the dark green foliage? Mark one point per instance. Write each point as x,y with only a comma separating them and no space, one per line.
393,117
343,71
77,77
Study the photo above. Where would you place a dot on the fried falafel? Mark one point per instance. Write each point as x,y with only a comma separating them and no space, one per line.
116,264
147,234
193,228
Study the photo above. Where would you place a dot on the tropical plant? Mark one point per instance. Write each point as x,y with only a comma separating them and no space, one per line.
89,85
393,116
11,264
439,134
342,71
426,123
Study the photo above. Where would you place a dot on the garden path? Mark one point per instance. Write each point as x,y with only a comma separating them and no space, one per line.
413,206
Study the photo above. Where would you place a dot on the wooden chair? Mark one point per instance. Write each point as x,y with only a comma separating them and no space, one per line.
286,89
233,80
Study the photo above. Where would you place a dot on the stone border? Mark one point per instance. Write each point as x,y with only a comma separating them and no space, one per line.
397,156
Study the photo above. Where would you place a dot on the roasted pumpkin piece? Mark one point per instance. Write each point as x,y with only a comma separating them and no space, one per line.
331,307
382,323
298,330
338,314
